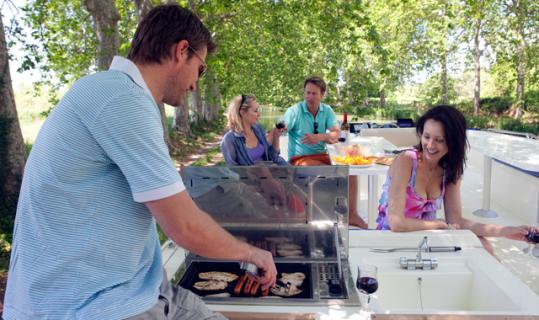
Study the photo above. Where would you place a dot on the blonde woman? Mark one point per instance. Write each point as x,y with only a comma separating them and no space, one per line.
246,142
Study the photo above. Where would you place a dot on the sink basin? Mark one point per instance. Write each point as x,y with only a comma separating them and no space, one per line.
468,282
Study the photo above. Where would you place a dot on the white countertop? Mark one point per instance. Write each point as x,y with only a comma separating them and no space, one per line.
479,265
520,152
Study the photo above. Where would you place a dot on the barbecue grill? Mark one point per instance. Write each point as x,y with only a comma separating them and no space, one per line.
302,219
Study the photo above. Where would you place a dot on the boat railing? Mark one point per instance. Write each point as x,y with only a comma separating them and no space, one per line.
513,133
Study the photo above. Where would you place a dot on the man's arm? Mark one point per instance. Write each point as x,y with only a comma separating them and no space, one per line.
330,137
196,231
333,134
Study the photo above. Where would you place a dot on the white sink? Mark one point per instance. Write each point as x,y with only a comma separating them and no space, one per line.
465,282
453,286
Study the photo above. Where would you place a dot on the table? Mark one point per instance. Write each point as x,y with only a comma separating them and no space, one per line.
372,146
517,152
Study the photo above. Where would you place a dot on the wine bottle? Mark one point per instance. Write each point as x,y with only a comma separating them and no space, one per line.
345,128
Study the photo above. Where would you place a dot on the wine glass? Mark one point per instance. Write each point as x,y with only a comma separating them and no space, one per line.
279,123
533,238
367,282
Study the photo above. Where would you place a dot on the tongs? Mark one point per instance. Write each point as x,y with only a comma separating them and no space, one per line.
412,249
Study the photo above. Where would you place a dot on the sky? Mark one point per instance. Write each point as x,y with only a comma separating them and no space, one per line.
11,10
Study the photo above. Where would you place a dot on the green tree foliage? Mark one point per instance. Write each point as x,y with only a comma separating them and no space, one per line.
363,49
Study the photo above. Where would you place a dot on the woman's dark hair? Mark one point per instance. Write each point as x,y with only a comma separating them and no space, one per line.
317,81
454,125
163,27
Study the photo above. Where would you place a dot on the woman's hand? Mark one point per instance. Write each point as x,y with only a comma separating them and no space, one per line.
278,132
441,224
515,233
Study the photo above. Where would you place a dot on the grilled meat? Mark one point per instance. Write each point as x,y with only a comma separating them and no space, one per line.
288,246
248,285
285,291
239,285
218,275
295,279
278,239
210,285
289,253
254,288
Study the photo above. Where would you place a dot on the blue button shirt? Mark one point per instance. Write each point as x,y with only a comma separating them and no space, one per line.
300,121
85,246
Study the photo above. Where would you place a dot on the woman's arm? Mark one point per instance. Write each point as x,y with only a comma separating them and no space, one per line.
228,149
453,215
400,173
273,138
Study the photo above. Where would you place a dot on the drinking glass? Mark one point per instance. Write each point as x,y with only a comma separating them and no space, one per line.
366,283
280,124
533,238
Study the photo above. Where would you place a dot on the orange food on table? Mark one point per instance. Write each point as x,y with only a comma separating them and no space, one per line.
352,160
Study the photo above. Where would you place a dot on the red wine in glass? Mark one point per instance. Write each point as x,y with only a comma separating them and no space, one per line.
367,284
367,278
533,236
280,124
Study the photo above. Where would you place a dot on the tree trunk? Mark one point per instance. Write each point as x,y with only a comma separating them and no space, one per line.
445,97
382,98
477,67
521,77
212,96
143,7
198,105
520,9
181,119
105,17
11,140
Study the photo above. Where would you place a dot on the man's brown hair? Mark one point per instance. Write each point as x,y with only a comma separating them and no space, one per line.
163,27
317,81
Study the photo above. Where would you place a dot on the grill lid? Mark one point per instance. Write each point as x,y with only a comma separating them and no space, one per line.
277,202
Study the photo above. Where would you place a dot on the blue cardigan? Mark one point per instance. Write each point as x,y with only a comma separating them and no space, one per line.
235,153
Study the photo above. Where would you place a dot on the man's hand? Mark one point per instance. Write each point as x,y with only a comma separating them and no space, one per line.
311,138
264,261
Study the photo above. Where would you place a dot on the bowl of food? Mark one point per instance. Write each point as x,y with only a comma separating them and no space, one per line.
354,155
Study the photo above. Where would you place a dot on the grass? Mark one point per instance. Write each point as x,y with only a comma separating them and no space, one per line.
5,250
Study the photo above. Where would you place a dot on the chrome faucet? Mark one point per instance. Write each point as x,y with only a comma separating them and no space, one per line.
419,262
423,244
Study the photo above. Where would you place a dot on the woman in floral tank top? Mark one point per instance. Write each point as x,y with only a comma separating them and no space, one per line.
421,179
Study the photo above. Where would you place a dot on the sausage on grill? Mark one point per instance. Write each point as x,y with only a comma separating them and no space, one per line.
255,287
239,285
248,285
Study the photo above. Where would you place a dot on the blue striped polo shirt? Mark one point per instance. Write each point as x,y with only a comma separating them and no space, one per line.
299,121
85,245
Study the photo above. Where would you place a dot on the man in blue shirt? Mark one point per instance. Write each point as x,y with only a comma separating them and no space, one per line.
308,123
99,177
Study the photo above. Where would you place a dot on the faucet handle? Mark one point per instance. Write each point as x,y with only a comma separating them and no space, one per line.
424,243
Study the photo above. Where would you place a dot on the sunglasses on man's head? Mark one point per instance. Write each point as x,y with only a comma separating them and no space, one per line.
315,127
